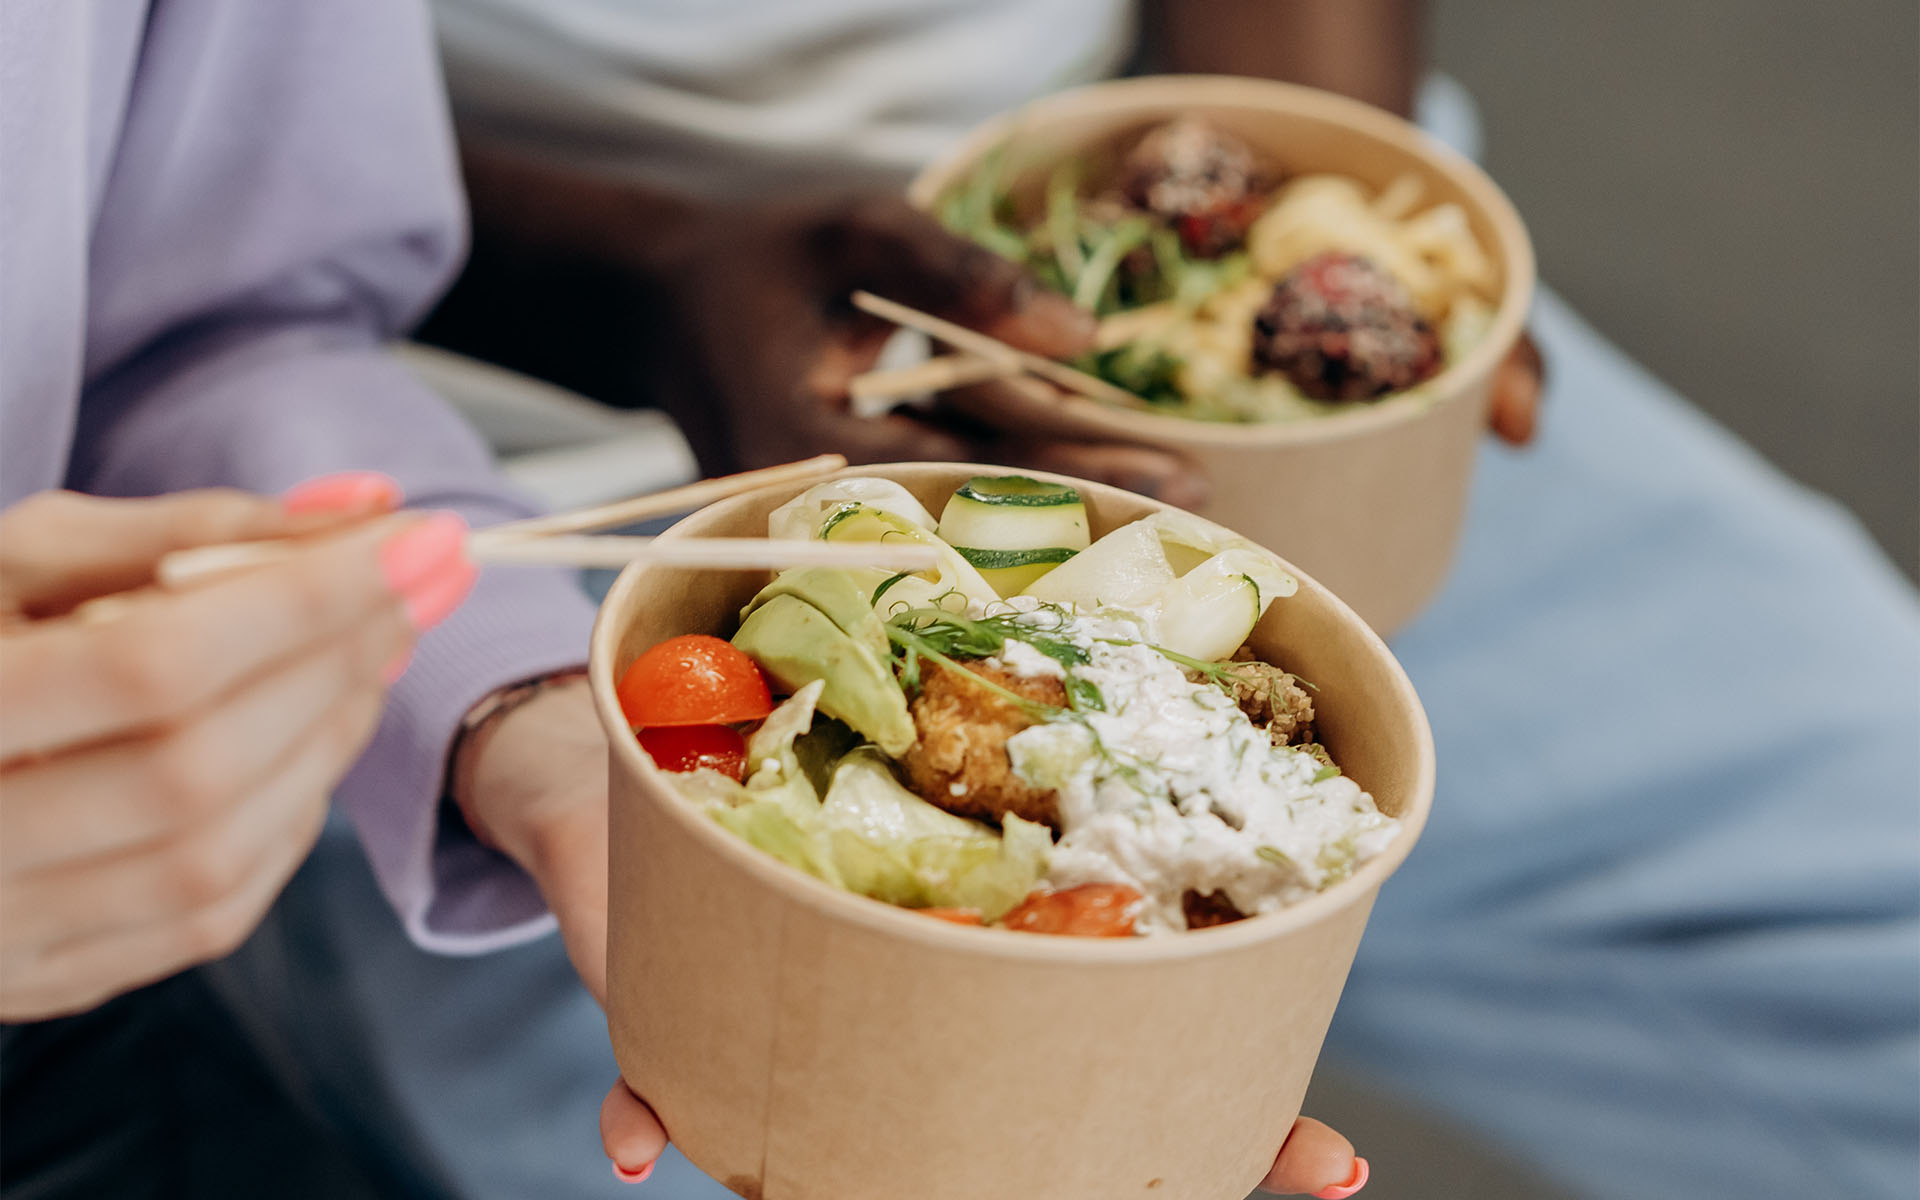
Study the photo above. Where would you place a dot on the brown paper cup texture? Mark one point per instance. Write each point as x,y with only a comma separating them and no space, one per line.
804,1043
1370,501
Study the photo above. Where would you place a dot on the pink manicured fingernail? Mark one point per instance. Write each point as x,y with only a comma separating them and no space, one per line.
430,600
344,492
639,1176
1341,1191
421,549
396,668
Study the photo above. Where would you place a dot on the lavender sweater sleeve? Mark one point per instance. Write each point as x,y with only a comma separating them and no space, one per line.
283,196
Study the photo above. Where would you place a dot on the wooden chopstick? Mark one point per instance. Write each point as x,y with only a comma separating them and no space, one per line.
995,350
185,567
664,504
608,550
934,375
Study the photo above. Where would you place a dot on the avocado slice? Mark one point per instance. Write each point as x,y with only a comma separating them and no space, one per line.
795,644
835,593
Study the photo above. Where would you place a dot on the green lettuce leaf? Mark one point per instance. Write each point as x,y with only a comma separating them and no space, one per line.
870,835
890,844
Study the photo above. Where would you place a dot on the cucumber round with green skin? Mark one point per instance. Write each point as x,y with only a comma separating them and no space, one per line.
1010,571
1014,529
857,522
1017,491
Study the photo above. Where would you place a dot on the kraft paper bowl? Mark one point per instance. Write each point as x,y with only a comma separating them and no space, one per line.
803,1043
1369,500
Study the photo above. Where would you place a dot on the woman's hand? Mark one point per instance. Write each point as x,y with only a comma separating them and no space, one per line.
1314,1160
532,783
166,757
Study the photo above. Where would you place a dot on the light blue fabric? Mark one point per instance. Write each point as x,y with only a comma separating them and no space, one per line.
1662,936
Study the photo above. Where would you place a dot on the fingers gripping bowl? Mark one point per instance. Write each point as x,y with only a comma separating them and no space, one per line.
1368,497
799,1041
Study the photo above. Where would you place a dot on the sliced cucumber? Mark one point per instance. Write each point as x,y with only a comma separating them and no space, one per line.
1013,528
856,522
1208,612
1001,560
1010,571
1015,513
1016,491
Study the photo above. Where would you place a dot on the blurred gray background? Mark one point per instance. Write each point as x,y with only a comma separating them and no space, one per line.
1730,190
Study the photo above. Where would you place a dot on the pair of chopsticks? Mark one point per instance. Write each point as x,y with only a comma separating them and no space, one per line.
562,539
983,358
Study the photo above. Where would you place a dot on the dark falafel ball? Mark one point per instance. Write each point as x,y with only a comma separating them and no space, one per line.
1206,183
1341,328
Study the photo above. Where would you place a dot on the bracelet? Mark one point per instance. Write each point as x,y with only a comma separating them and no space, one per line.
504,701
494,705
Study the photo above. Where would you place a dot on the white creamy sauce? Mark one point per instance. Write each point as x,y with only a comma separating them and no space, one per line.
1173,789
1023,659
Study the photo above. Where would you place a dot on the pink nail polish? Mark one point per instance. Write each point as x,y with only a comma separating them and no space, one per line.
343,492
1340,1191
639,1176
421,549
396,668
430,600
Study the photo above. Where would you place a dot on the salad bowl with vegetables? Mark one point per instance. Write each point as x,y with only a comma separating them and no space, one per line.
1312,294
859,818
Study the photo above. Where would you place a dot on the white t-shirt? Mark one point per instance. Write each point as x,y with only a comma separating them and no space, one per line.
749,97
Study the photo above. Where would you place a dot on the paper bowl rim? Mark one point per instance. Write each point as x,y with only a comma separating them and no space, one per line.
877,916
1160,94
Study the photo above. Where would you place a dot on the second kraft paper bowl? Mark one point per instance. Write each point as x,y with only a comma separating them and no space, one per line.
1371,500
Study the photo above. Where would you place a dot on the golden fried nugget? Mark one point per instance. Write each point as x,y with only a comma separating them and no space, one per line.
960,762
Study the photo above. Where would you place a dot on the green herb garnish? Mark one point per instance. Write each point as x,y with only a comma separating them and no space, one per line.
945,637
886,585
1219,674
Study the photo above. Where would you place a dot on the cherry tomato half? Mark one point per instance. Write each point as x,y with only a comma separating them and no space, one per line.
693,680
1090,910
683,748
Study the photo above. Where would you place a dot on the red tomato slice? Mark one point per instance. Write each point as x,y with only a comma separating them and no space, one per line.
1090,910
684,748
958,916
693,680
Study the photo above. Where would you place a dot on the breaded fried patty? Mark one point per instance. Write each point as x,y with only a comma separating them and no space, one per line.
960,762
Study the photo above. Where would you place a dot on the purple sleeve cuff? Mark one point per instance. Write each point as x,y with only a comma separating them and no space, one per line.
454,895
